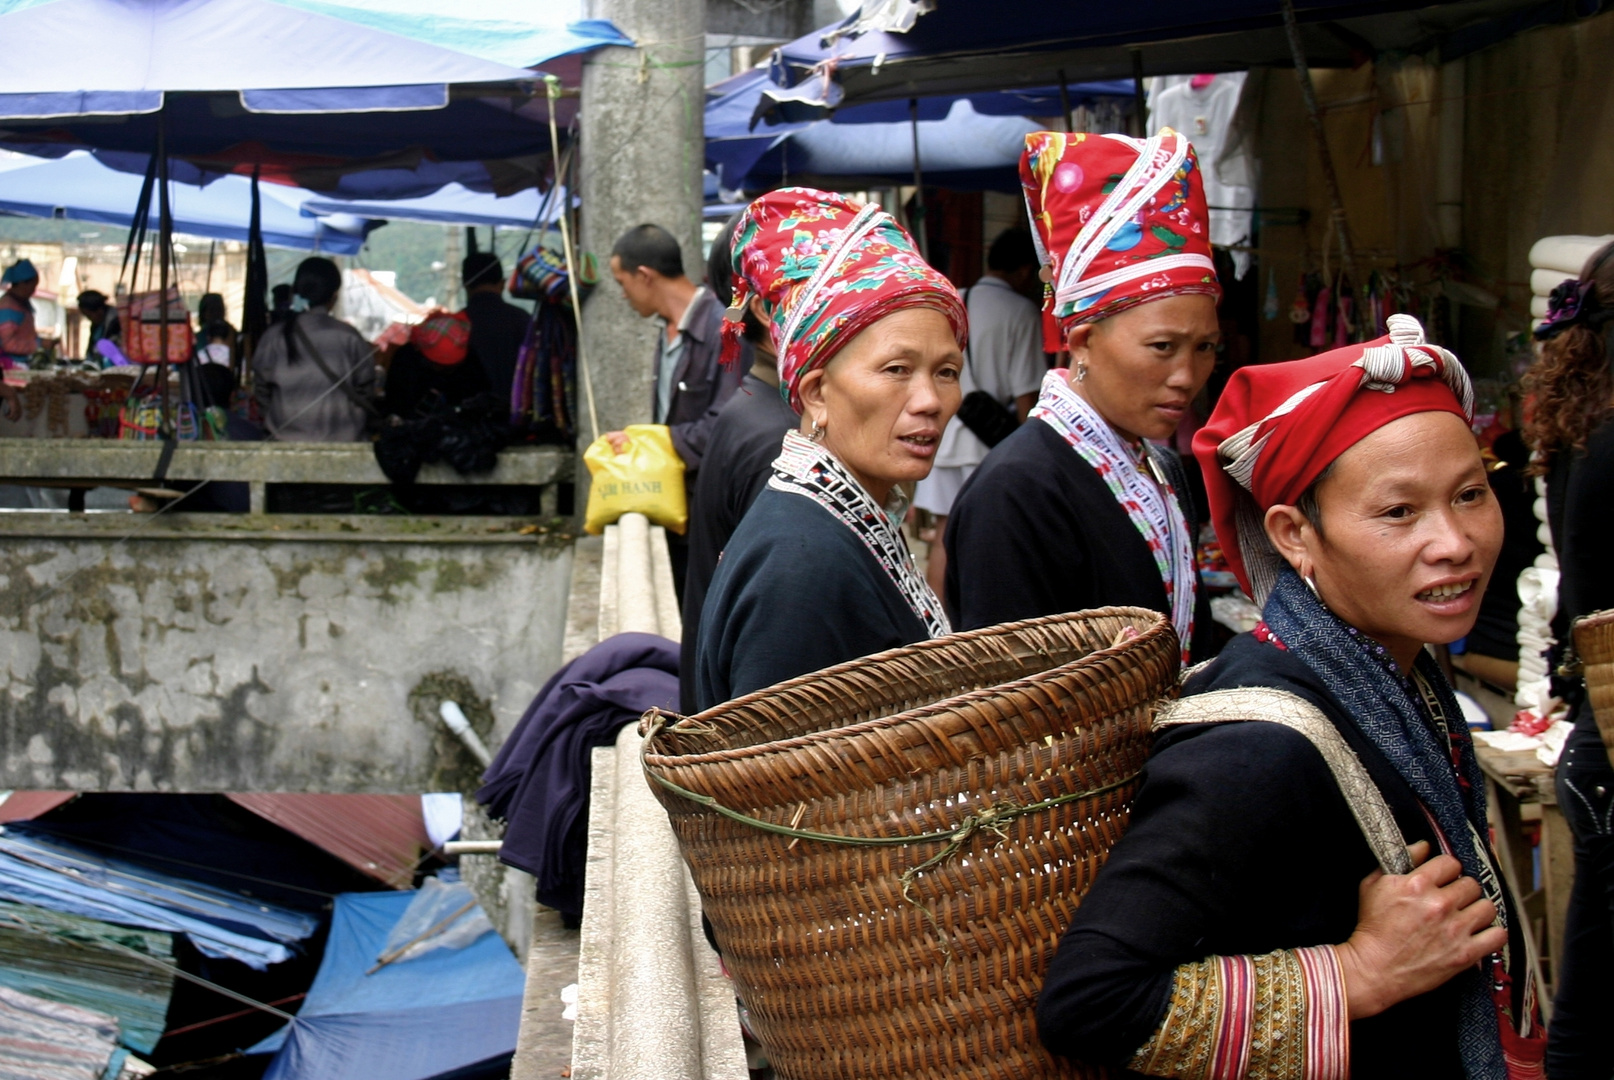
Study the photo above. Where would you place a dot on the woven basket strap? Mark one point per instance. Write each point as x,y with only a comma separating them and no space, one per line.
1265,704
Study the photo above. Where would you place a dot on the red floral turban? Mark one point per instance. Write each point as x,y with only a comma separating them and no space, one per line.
1277,427
1118,222
827,267
443,338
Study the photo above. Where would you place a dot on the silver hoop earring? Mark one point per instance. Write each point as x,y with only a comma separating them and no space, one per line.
817,432
1311,584
1081,371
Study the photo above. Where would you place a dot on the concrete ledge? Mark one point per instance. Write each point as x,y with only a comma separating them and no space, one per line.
108,527
24,461
653,1003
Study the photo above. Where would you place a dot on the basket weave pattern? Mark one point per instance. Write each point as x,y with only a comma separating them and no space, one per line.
848,974
1594,642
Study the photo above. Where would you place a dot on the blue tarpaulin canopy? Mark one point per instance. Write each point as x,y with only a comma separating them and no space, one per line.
452,205
296,89
966,141
963,46
62,877
410,1020
80,188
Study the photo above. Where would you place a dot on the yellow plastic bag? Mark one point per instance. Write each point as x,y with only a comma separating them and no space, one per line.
646,478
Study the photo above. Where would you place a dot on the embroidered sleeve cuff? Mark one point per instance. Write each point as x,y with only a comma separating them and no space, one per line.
1272,1017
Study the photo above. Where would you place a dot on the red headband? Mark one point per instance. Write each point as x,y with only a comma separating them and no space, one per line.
1278,426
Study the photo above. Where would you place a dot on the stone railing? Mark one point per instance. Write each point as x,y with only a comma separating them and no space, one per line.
81,463
652,1002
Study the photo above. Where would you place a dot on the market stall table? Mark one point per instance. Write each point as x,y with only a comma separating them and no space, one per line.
1515,779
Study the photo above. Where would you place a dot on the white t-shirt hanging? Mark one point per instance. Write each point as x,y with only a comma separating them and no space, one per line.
1205,116
1004,359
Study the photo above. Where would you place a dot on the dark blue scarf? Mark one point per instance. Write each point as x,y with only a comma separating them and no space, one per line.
1386,710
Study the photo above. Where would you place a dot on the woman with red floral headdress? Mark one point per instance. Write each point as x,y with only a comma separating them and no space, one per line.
1306,887
868,339
1077,509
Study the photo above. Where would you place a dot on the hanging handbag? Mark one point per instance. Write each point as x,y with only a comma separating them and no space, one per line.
986,416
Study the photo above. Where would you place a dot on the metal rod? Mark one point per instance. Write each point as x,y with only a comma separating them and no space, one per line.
573,267
1140,99
920,232
1308,94
165,237
1064,102
472,847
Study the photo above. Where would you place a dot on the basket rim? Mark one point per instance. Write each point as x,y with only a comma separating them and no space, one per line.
1160,626
1596,620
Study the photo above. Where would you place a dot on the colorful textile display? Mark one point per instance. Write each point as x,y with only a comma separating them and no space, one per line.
1150,503
544,387
1278,426
827,267
443,338
1117,221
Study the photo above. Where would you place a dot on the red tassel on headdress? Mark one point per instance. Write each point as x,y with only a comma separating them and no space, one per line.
733,335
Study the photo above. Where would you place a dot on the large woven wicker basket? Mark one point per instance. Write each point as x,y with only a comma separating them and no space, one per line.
1594,643
975,784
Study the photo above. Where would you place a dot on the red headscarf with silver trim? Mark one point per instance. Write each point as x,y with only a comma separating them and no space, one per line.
1118,221
1277,427
827,267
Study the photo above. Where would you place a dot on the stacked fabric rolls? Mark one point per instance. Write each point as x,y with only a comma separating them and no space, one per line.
1552,259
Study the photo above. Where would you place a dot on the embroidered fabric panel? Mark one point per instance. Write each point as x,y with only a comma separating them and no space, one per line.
1150,505
805,468
1282,1016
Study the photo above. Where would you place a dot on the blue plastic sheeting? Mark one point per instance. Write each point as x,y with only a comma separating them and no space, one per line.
734,147
409,1021
453,205
512,32
218,45
966,151
80,188
962,47
61,877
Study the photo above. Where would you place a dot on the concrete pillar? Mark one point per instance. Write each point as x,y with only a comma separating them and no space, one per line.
641,157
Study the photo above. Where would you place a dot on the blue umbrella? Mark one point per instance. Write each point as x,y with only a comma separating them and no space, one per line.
80,188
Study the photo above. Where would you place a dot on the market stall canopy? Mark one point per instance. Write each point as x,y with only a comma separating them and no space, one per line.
896,49
454,204
80,188
412,1019
302,93
965,140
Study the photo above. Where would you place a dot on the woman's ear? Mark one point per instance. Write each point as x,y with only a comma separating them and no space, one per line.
1078,340
811,391
1290,533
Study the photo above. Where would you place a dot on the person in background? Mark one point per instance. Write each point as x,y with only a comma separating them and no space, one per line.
438,363
688,384
314,376
1570,426
213,364
280,301
1306,887
743,444
210,309
18,339
101,317
868,341
1004,360
498,328
1077,509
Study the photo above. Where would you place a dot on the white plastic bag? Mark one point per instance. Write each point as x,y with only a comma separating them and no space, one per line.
440,916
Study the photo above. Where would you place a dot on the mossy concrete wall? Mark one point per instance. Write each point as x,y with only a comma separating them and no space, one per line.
196,657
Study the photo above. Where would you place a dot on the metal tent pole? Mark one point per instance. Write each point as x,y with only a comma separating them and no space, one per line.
1140,99
920,232
1064,102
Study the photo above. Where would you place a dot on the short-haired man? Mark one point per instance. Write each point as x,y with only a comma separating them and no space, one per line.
497,328
1004,359
688,383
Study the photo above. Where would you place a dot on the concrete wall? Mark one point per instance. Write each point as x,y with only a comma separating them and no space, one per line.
195,657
